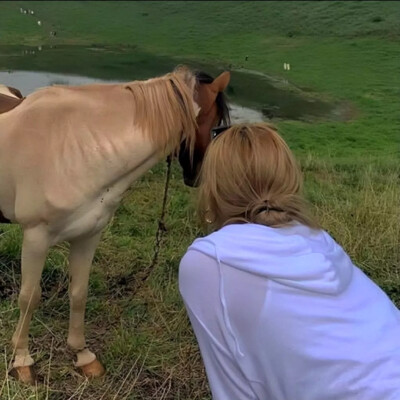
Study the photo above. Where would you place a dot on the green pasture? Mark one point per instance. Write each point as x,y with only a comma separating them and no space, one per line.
339,51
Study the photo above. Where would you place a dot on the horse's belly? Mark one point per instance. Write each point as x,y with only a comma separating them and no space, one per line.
87,221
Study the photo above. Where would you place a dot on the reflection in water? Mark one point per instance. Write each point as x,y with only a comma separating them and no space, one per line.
244,114
254,96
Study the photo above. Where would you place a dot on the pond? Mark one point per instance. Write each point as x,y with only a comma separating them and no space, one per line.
253,96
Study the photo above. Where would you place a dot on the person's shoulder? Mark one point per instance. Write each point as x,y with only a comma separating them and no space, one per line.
192,257
204,244
200,249
196,269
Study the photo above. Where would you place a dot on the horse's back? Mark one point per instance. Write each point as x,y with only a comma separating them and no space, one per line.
52,110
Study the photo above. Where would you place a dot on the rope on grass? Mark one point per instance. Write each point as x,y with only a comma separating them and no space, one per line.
161,229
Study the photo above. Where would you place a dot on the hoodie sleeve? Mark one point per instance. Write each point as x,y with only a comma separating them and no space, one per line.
199,286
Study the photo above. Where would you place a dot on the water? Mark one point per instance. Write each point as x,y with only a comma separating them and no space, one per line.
28,81
253,96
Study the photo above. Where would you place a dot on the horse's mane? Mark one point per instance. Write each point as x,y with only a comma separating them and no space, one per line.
163,109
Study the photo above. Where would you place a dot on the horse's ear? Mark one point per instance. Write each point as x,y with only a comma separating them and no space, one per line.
221,82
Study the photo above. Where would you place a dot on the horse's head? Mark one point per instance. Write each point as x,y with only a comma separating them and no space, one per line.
213,112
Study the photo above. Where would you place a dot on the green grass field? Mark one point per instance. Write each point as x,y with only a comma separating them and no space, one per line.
337,50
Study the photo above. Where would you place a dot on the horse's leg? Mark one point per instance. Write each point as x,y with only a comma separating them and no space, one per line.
34,251
80,261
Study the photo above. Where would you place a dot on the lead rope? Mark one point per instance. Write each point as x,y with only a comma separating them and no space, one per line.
161,229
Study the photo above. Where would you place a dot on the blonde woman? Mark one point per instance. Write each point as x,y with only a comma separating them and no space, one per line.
279,310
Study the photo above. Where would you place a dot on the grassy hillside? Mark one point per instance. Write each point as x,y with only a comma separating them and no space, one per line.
159,23
338,50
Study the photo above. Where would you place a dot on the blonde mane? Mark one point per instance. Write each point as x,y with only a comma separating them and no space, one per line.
164,109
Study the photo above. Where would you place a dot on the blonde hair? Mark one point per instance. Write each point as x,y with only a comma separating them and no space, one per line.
164,109
250,175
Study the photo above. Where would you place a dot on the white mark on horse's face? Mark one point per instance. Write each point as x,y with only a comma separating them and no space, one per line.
196,108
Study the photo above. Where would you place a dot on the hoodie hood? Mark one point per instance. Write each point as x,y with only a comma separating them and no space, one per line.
295,256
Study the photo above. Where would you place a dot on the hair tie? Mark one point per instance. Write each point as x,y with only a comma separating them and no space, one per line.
267,208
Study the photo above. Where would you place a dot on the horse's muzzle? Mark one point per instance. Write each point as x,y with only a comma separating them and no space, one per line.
190,181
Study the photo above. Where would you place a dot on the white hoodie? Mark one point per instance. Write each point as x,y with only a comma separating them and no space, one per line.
283,314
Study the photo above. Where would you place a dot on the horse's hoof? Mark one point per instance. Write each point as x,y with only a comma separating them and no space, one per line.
24,374
93,370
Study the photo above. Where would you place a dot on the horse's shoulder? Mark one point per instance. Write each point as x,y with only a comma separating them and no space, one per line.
51,99
62,100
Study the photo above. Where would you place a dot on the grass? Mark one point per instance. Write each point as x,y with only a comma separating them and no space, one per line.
337,50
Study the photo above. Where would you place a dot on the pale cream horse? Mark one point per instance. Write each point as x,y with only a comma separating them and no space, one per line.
67,155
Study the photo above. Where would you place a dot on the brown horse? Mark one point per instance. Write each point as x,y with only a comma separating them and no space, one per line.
67,155
9,98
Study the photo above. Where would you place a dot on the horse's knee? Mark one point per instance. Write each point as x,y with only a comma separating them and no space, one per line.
29,298
20,341
78,299
76,342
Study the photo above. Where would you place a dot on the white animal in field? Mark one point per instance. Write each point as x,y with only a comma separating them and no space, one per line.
39,23
68,155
